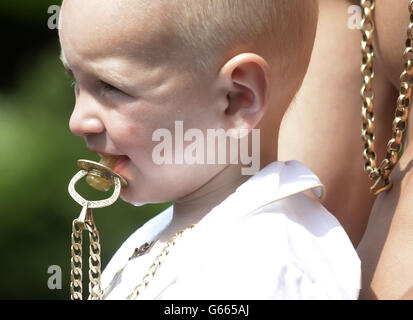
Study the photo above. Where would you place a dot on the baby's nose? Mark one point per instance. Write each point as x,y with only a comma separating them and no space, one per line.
85,119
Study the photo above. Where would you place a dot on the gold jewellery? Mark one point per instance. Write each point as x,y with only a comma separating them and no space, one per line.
156,264
101,177
381,174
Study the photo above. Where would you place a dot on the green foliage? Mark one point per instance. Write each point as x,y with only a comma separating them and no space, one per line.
38,157
32,10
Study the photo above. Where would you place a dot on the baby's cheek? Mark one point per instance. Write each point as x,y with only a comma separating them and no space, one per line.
135,139
129,132
126,136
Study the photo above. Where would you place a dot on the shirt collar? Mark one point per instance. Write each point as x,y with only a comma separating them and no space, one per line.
276,181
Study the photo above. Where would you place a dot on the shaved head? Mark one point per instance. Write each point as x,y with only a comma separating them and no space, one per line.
202,33
213,31
132,26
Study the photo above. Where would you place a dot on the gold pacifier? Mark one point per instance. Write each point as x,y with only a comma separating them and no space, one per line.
101,177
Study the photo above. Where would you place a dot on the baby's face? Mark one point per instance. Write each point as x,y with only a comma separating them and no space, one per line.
121,100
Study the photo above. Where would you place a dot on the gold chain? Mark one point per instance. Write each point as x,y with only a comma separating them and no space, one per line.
95,290
156,264
394,146
76,261
95,264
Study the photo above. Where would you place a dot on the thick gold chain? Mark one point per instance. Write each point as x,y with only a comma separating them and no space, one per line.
94,261
381,174
156,264
95,290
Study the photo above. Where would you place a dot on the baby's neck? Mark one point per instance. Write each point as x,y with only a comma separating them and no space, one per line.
193,207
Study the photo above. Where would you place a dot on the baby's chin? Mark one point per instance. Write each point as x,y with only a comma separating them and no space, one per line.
132,201
138,196
136,204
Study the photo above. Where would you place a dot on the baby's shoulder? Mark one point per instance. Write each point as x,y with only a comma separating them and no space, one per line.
297,239
297,224
275,255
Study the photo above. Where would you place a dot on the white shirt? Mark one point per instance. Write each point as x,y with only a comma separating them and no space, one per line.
267,240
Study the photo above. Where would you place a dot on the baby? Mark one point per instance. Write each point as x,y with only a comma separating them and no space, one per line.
157,81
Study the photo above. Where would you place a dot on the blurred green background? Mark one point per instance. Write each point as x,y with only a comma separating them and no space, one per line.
38,156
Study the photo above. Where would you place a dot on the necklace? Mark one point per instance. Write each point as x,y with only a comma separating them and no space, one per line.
381,174
141,250
156,263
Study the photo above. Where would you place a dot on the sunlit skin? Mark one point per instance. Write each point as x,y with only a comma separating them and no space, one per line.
121,99
322,127
386,249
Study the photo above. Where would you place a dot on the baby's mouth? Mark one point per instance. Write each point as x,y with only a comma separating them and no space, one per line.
114,162
109,160
120,163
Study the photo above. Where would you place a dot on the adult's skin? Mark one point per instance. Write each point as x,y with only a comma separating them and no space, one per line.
323,127
387,246
322,130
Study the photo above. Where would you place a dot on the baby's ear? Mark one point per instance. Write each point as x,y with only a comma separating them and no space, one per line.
247,85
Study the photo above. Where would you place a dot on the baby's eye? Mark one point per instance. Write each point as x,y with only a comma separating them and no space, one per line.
108,87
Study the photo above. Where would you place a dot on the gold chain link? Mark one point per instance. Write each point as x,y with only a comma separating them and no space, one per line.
76,263
94,261
381,174
156,264
94,264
